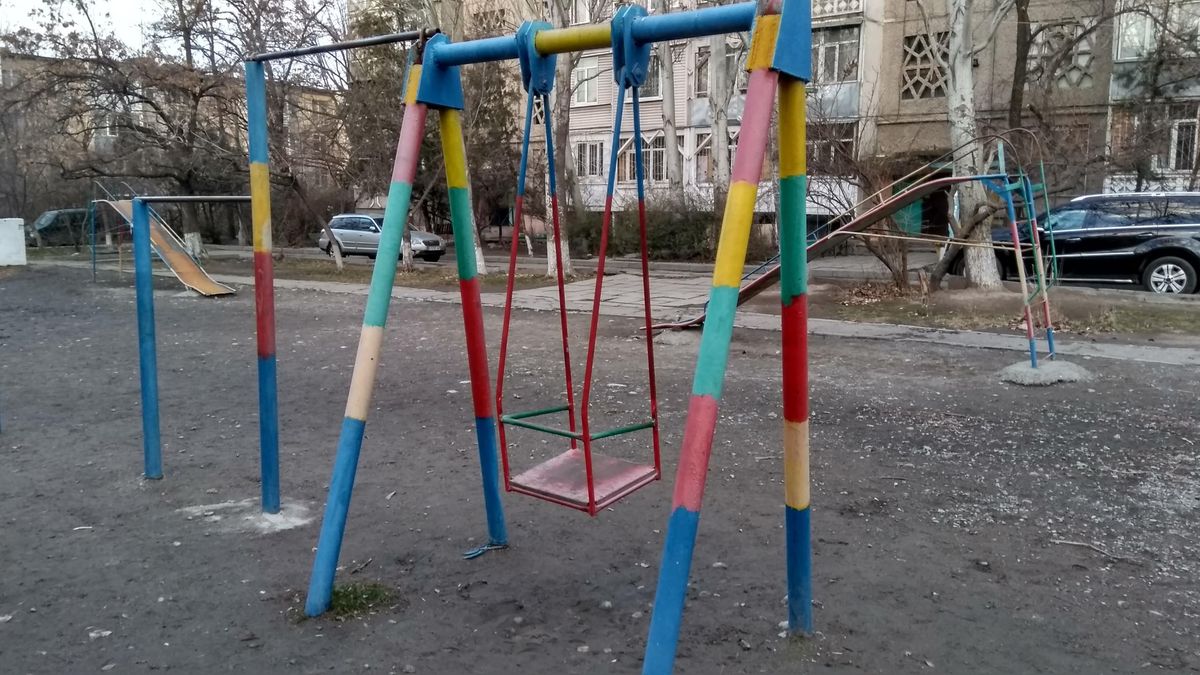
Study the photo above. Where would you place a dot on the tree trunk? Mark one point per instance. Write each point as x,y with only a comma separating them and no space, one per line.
981,267
666,63
562,144
719,95
1020,65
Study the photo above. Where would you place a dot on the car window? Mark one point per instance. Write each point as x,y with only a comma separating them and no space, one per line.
1066,219
378,223
1111,213
365,224
1183,212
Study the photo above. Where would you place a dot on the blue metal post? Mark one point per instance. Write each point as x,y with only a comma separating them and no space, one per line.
148,359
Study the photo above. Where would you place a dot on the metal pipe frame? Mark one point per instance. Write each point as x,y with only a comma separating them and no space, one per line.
658,28
373,41
148,343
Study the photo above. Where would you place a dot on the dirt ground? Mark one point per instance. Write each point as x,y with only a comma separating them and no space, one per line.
941,498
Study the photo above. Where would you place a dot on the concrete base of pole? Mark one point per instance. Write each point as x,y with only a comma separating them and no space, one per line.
1047,373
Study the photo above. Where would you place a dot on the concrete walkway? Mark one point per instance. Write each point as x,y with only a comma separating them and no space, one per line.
676,297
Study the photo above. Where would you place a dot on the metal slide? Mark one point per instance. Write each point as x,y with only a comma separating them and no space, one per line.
873,215
172,252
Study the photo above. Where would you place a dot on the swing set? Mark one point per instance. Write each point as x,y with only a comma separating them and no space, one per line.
582,478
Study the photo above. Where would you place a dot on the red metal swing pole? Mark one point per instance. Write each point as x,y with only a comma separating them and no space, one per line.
518,207
562,292
641,193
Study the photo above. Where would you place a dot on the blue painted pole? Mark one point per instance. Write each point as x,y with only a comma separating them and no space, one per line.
148,359
264,286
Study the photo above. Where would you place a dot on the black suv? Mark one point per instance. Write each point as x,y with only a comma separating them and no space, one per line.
1147,238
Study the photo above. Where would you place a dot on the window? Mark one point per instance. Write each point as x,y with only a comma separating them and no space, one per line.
1068,219
1180,130
589,159
1183,145
831,147
580,12
835,54
924,75
1072,46
734,67
1135,38
1136,35
652,87
539,112
106,125
700,73
653,155
704,160
583,79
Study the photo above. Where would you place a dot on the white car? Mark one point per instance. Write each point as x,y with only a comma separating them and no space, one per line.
359,234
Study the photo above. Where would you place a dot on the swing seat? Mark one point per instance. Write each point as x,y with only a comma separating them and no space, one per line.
563,479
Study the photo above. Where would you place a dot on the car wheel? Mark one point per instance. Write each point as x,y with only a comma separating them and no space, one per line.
1170,275
329,249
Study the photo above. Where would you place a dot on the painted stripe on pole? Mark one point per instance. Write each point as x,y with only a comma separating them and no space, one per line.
260,209
735,234
395,217
464,247
268,433
453,149
366,364
485,432
671,592
414,82
693,456
792,130
256,111
714,342
795,465
792,244
329,545
574,39
477,361
756,124
799,554
795,359
762,46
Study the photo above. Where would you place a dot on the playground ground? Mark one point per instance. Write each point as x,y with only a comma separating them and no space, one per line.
960,525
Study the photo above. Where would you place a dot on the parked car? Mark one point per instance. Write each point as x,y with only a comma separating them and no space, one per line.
359,234
61,227
1149,238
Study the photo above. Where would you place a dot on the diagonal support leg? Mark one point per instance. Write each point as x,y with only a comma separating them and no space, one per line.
710,372
461,218
366,363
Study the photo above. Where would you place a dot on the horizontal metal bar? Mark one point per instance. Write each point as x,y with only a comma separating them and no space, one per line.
539,427
193,198
537,413
622,430
655,28
698,23
475,51
391,38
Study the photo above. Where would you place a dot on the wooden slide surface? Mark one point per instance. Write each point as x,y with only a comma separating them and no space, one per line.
172,253
873,215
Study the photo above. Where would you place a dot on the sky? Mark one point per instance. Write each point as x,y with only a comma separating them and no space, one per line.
123,17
